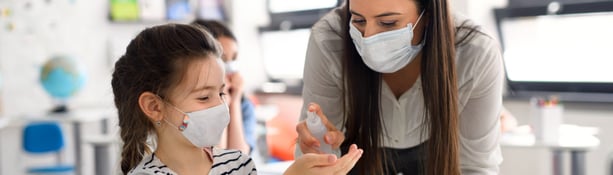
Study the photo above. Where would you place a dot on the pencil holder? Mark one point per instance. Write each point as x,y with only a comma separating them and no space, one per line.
546,123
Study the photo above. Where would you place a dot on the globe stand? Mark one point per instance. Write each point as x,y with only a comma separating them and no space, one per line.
59,109
60,106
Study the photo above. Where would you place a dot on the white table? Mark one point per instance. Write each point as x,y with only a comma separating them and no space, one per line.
574,139
75,117
102,145
3,123
277,168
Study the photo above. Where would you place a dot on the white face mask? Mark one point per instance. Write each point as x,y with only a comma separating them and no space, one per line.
389,51
231,67
204,128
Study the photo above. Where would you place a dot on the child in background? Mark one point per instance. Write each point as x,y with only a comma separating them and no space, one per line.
169,85
241,130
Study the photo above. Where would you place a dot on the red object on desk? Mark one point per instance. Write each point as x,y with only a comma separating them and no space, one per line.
281,130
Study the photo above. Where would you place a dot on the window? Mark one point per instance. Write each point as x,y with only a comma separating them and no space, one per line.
284,41
284,53
281,6
290,14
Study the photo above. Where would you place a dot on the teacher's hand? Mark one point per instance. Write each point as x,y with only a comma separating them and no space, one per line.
308,143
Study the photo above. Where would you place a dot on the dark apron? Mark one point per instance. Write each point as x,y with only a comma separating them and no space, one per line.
400,161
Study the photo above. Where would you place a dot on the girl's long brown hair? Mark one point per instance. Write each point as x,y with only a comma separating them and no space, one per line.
362,88
154,61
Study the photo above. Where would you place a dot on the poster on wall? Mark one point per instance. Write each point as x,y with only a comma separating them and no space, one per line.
212,9
124,10
152,10
177,9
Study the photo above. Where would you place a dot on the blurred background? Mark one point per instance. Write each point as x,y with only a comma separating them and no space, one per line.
556,53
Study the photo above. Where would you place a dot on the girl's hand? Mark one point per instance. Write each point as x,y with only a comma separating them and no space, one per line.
235,84
325,164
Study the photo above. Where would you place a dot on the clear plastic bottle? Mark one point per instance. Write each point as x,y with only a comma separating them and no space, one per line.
318,130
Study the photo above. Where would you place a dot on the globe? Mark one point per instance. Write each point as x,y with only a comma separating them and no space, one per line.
61,77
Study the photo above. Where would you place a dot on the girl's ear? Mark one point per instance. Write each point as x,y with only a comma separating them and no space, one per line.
151,105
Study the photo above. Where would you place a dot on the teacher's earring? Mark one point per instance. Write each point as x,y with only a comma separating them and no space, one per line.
158,123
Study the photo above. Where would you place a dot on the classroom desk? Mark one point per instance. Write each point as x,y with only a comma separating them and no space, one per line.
277,168
75,117
3,123
574,139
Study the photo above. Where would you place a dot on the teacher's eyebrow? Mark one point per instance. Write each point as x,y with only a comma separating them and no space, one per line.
378,16
356,13
387,14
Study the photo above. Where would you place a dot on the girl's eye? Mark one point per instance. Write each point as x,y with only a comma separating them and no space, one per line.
203,98
221,94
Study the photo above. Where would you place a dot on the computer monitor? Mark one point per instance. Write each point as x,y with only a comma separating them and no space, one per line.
568,53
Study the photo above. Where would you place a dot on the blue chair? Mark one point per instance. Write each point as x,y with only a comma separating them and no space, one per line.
45,138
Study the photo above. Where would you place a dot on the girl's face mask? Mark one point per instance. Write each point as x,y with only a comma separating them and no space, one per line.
204,128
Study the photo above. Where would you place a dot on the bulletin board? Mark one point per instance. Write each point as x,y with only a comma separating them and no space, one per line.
166,10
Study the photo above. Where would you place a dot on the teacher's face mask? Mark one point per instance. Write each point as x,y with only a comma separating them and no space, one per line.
389,51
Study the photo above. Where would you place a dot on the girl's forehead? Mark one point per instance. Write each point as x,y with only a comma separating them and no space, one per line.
201,74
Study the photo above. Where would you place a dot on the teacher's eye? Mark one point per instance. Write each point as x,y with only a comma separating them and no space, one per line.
222,94
388,23
358,21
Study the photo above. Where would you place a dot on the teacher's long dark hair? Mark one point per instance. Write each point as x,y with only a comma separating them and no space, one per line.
362,89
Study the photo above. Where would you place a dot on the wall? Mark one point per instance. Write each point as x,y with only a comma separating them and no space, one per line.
247,16
80,28
77,28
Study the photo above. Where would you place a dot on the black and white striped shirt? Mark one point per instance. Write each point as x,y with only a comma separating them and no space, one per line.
225,162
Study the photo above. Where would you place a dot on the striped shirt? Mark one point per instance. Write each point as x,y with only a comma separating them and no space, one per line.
225,162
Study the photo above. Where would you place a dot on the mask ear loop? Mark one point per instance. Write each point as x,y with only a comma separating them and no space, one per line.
418,19
185,123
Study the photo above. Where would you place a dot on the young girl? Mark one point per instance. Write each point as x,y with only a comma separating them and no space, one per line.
240,133
169,85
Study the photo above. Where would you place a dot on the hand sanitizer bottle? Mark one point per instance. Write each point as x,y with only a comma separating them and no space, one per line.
318,130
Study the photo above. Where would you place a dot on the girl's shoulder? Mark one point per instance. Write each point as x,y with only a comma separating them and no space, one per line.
224,162
151,165
231,162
